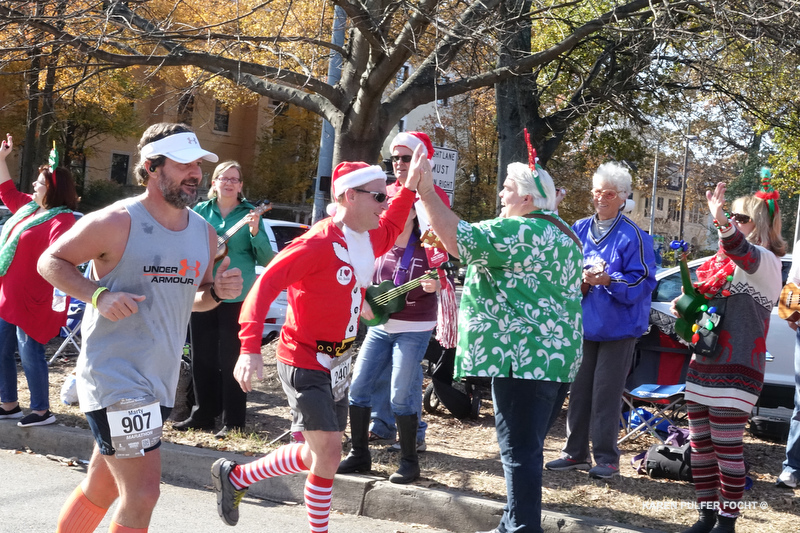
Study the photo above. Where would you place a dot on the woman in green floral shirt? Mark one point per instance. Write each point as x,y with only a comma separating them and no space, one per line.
519,321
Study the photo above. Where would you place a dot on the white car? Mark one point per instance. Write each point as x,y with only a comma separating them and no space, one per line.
5,214
779,374
280,233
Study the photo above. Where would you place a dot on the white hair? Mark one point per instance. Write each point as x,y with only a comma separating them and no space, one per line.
615,175
521,174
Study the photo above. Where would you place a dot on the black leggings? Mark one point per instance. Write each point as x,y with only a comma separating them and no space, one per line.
215,349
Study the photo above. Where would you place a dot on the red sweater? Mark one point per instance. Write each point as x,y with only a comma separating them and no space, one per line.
26,299
324,301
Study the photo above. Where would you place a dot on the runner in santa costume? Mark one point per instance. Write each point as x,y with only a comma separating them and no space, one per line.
325,273
386,390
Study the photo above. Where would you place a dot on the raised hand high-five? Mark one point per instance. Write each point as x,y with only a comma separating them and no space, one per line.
716,201
420,175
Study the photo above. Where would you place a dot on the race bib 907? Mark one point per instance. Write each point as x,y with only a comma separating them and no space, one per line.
135,426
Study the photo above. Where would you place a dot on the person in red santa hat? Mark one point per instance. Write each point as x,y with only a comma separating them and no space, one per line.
385,395
402,148
325,272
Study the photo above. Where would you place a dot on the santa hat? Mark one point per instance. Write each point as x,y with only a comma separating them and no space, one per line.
412,139
351,174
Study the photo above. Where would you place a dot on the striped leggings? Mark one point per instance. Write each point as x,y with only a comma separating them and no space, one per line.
717,459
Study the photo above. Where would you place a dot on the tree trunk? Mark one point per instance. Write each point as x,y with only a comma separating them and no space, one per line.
29,156
360,136
516,96
47,118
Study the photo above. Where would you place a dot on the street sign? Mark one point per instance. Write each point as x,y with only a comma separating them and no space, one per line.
444,164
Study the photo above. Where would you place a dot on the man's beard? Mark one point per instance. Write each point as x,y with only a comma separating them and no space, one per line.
174,194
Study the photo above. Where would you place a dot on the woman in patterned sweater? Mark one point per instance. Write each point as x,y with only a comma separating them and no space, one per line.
722,388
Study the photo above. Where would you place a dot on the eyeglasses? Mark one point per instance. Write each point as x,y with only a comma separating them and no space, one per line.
403,158
380,197
229,180
605,195
740,218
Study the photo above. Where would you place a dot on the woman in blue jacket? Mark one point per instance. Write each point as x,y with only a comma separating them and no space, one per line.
618,279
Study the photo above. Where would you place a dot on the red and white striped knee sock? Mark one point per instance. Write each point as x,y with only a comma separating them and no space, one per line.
317,495
285,460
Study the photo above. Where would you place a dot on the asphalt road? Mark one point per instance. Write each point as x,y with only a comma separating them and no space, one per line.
35,487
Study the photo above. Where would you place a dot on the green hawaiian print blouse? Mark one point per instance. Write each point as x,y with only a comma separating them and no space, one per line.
520,313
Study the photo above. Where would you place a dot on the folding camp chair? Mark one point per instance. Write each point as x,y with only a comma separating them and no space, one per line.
71,331
663,408
653,396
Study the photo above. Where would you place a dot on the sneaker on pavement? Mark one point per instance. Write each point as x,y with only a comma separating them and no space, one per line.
565,463
37,420
604,471
16,412
787,479
421,447
228,496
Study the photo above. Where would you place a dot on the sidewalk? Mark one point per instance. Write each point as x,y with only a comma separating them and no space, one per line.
368,496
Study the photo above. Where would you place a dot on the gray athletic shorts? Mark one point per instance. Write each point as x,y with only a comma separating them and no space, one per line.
311,399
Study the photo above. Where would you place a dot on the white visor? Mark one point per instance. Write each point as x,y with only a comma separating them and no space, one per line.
181,147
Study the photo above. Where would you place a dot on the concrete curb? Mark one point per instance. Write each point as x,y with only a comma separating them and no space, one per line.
368,496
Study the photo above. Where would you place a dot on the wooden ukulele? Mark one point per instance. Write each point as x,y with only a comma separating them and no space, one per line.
222,247
385,299
789,302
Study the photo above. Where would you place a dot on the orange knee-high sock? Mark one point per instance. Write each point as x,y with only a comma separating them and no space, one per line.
317,495
116,528
79,515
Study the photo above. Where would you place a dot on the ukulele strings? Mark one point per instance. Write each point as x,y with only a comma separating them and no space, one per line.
384,298
222,239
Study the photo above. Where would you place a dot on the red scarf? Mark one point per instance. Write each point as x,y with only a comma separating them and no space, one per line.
713,274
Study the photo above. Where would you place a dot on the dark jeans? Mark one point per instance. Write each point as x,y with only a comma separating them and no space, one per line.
792,462
523,412
215,349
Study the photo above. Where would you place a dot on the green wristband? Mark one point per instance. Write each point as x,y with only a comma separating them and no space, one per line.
97,294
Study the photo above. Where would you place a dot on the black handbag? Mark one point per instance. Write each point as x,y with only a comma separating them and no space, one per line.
706,336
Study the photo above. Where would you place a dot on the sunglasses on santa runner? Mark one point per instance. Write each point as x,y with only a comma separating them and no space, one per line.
739,218
403,158
380,197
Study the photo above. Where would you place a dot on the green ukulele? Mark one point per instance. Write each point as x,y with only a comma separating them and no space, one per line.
385,299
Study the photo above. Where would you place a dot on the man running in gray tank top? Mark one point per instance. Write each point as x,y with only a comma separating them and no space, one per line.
152,263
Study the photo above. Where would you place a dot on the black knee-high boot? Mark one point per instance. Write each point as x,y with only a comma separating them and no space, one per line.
725,524
708,517
358,460
409,461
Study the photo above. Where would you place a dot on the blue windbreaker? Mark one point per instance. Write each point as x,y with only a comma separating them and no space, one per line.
622,309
